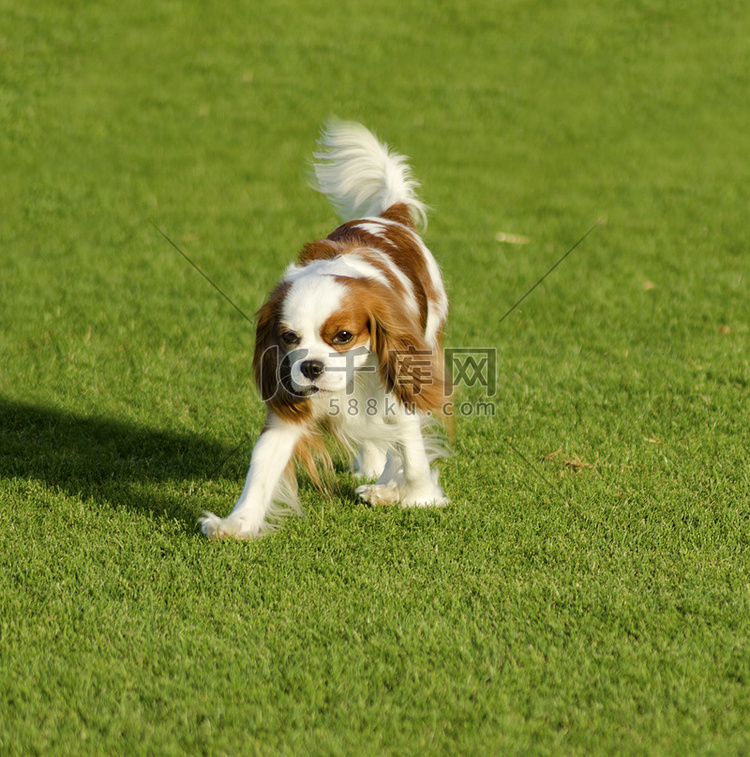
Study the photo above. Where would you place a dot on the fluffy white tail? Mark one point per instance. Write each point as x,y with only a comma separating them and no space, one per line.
360,176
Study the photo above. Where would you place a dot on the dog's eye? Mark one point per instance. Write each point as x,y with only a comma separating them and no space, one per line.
343,337
290,338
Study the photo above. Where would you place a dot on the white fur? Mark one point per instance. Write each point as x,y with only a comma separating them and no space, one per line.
350,266
397,444
360,175
262,486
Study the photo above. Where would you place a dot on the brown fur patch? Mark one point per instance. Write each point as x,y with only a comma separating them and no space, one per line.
407,254
399,212
321,249
352,317
312,455
377,261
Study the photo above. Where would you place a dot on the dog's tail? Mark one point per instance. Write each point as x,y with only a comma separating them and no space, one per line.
360,176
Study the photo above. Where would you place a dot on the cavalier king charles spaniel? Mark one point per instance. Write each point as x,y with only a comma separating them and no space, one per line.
349,343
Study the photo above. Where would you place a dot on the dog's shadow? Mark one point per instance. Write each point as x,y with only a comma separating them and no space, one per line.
116,462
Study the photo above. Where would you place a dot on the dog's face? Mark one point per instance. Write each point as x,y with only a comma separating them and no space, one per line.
323,333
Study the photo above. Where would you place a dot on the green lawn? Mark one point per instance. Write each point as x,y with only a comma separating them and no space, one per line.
587,592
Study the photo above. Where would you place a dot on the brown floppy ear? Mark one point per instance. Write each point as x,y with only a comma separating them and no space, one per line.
267,356
270,368
409,367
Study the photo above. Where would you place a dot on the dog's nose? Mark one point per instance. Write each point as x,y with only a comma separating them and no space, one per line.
311,369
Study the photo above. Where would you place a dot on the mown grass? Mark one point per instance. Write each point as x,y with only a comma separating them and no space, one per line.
587,590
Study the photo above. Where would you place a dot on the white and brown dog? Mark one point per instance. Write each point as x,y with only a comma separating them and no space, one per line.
349,342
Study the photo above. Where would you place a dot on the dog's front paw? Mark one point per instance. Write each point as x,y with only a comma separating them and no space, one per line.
431,497
215,527
377,494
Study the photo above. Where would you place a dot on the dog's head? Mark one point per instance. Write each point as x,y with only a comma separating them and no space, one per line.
323,325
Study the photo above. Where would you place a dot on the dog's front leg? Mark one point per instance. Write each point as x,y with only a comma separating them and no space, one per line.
407,477
271,455
419,487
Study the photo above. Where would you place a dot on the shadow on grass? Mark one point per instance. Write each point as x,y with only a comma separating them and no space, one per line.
113,461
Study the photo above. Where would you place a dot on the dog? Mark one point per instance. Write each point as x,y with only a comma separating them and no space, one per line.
349,343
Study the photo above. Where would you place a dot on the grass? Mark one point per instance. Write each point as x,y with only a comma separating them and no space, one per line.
587,590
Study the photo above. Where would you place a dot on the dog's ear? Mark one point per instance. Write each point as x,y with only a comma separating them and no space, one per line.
266,358
409,367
